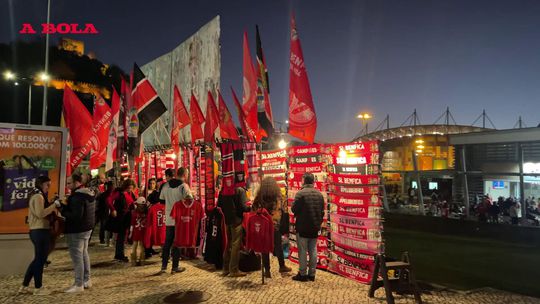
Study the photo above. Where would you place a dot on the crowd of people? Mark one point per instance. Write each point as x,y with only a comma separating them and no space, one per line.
507,210
165,213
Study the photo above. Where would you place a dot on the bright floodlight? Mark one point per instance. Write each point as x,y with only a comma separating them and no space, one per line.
44,76
8,75
16,83
282,144
364,116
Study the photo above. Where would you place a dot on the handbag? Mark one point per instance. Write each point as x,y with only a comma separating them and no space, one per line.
284,223
18,182
249,261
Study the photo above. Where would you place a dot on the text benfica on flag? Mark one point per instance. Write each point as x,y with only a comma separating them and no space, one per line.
114,131
249,96
302,117
79,122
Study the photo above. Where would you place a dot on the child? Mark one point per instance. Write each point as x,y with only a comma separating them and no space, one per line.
137,231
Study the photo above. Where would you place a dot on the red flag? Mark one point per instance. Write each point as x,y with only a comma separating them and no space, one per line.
249,96
226,125
79,122
180,119
125,93
114,131
197,119
212,119
248,133
302,116
100,129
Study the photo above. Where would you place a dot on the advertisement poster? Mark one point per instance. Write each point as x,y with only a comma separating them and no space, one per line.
27,152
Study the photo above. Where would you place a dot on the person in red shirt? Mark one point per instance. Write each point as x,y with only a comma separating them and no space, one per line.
137,231
120,203
187,215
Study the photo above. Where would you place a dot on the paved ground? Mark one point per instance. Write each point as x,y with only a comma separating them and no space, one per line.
120,283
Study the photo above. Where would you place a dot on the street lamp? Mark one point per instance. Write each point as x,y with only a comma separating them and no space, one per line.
282,144
10,76
364,117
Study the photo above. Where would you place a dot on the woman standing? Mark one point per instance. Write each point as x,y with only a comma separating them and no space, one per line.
120,204
269,197
38,222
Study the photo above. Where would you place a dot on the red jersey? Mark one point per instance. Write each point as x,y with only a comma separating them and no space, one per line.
130,199
260,231
187,216
138,224
155,226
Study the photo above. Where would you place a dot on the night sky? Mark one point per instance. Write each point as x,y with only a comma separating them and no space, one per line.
379,56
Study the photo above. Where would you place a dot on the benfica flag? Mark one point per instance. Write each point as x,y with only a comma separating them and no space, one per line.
145,99
248,133
212,119
249,96
79,122
227,129
180,119
302,117
114,131
100,129
197,119
264,109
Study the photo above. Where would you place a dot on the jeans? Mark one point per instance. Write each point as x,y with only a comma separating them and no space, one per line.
78,250
168,247
120,244
41,240
231,257
307,246
278,252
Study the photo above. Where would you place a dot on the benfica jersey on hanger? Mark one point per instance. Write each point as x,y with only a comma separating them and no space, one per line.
155,226
187,215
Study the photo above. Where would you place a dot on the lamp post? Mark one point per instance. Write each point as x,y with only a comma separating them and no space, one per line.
364,117
45,74
10,76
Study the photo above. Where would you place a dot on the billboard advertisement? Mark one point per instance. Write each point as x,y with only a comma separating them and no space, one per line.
27,152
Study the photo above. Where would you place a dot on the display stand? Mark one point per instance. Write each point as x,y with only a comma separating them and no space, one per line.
405,281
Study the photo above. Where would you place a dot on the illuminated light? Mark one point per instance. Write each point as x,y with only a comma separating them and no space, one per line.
342,154
419,134
419,141
44,76
94,172
287,121
16,83
8,75
173,156
420,146
282,144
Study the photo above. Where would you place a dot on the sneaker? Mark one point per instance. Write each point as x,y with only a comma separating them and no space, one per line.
87,285
300,278
24,290
311,278
74,289
285,269
238,274
178,270
41,292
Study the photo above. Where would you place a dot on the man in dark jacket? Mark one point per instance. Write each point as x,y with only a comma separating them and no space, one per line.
233,207
308,208
79,212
